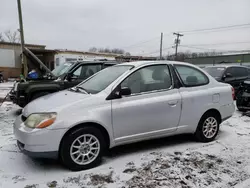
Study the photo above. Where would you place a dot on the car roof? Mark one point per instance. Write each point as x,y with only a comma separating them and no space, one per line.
227,66
94,62
140,63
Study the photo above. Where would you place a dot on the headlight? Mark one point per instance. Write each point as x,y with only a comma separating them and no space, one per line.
41,120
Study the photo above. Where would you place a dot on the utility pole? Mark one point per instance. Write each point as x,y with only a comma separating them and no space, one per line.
23,60
177,42
161,46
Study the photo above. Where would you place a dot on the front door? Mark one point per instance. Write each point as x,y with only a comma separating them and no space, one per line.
153,109
81,73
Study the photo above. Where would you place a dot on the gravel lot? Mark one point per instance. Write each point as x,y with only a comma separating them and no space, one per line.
170,162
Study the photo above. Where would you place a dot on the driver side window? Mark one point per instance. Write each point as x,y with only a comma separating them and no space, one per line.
150,78
77,72
231,71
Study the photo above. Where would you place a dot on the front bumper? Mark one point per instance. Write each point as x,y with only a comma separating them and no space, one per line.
38,143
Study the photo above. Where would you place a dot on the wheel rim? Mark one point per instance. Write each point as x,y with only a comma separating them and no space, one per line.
210,127
85,149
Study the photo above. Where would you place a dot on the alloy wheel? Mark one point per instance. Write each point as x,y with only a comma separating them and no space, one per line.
210,127
85,149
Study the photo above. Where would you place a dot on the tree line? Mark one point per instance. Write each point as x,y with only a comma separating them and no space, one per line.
181,56
108,50
10,36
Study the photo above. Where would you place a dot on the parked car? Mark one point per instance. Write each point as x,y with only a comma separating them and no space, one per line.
231,74
243,97
122,104
67,75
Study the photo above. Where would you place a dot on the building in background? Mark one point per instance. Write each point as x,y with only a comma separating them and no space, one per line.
54,58
10,58
240,59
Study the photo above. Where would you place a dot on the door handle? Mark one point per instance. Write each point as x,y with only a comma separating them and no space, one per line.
173,103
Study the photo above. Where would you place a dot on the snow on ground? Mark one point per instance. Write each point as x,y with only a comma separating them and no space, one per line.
5,89
175,162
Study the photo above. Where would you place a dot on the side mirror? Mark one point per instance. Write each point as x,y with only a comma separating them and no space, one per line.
227,75
125,91
71,77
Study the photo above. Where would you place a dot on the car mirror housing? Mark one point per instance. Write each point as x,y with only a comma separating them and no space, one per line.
228,75
125,91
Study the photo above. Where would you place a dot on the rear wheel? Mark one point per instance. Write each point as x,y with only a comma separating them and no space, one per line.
208,128
82,148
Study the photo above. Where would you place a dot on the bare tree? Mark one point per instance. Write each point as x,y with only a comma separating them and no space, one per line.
13,37
93,49
108,50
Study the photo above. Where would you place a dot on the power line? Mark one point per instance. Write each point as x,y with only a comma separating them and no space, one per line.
218,44
142,42
221,30
216,28
157,51
187,46
188,32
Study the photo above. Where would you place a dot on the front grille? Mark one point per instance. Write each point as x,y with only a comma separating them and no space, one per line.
23,118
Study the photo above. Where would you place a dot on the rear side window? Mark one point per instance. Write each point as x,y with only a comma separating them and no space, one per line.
240,72
191,76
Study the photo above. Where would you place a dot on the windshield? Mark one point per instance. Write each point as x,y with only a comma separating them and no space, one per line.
63,68
215,71
103,79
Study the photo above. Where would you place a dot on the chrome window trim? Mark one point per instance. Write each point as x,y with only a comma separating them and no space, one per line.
185,85
153,91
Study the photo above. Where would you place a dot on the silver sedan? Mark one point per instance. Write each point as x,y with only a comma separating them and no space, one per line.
126,103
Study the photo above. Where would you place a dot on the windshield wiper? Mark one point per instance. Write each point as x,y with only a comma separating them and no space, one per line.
81,88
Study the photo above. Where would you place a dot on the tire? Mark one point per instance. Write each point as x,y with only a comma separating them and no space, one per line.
37,95
70,140
239,101
203,136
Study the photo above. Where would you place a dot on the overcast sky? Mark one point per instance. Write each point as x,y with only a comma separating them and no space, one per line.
81,24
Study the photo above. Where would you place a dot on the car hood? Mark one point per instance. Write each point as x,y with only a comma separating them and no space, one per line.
56,102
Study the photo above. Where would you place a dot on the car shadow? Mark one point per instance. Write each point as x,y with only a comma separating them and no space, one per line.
120,151
150,145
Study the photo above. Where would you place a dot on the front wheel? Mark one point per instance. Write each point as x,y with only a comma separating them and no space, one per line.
240,101
208,128
82,148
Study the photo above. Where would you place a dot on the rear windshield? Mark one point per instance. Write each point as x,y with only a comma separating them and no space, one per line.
215,71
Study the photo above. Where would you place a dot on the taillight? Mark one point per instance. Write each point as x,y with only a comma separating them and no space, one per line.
233,93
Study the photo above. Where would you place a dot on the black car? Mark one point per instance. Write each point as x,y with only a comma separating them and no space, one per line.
231,74
243,97
64,76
